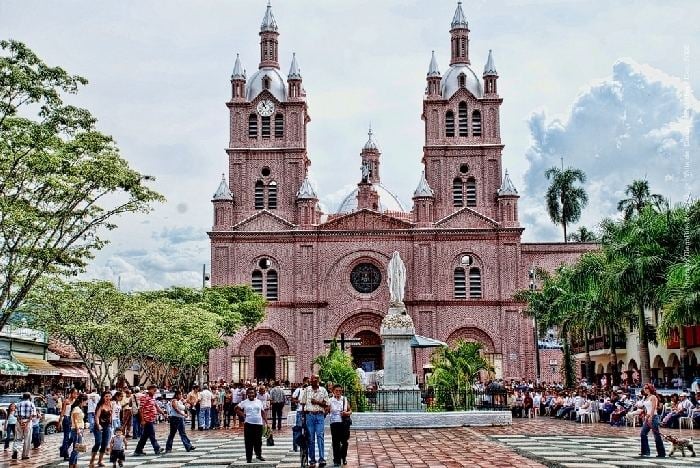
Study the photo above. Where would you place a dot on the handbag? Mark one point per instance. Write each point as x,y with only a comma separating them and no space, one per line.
270,441
80,447
347,420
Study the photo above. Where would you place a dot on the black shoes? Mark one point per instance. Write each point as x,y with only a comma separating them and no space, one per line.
139,454
192,447
261,458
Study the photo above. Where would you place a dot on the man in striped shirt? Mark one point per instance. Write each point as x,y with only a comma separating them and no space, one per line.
25,412
149,413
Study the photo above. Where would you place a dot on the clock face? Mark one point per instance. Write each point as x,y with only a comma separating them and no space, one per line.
266,108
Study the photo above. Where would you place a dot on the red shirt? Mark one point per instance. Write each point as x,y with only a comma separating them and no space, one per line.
148,408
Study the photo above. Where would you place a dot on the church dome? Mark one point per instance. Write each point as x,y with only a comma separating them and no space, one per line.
255,86
450,82
387,200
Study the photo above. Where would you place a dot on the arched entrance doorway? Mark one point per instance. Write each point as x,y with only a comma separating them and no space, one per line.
368,355
264,363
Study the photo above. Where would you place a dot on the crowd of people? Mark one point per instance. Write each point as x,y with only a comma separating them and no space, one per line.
116,416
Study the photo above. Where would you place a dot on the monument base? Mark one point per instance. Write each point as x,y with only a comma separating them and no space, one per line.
399,398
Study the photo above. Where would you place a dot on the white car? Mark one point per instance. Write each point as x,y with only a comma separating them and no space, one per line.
50,421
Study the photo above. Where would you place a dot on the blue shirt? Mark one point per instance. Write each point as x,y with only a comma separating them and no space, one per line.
25,409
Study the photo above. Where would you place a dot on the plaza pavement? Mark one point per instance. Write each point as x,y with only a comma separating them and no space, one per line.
527,443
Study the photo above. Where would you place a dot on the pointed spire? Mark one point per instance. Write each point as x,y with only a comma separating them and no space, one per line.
294,71
268,22
507,186
423,189
370,145
306,191
490,67
433,68
238,72
223,192
459,20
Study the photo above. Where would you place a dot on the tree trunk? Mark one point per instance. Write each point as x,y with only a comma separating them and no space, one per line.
616,377
588,358
568,367
644,365
563,223
684,355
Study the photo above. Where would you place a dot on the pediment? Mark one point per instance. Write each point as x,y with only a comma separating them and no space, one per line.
466,218
365,220
264,221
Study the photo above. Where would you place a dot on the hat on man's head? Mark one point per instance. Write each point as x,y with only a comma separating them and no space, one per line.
683,394
137,389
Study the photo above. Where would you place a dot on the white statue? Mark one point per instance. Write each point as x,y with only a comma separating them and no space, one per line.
365,171
396,279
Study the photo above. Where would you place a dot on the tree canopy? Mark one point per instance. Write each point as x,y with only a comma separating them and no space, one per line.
158,330
565,200
62,182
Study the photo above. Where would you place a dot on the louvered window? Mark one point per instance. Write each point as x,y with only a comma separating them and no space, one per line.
457,193
476,123
474,283
259,195
463,119
279,126
462,80
471,192
271,292
450,124
252,126
460,284
265,126
272,195
257,281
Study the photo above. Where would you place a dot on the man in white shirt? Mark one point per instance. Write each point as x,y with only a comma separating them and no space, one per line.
205,400
314,399
93,399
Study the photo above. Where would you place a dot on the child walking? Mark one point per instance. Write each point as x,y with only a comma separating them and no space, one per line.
117,448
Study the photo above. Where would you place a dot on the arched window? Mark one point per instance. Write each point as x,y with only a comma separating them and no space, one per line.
457,192
462,80
265,126
464,46
266,79
271,291
476,123
450,124
272,195
471,192
474,283
279,126
463,119
257,281
460,284
252,126
259,195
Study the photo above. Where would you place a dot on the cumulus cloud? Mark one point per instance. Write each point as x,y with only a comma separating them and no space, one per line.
181,234
629,126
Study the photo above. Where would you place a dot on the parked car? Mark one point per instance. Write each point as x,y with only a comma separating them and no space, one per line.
50,421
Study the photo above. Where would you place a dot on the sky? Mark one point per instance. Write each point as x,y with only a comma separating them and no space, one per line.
607,86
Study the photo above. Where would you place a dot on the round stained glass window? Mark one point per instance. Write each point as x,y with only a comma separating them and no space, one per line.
365,278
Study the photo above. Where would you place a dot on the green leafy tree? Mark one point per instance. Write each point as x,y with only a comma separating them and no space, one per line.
336,367
639,196
583,234
62,182
565,200
455,371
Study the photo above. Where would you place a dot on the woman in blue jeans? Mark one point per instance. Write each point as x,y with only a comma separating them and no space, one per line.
77,419
10,425
176,418
651,423
103,428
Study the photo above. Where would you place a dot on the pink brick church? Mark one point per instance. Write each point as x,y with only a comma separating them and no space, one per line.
324,274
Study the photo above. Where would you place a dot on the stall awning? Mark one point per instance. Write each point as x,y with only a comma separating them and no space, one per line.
12,367
36,365
71,371
424,342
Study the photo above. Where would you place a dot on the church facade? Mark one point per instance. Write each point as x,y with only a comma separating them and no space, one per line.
325,274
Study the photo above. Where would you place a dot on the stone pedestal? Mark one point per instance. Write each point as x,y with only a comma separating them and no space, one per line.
399,382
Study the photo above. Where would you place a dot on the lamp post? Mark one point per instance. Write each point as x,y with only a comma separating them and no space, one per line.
205,278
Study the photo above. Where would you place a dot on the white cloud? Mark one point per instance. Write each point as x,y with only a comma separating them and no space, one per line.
628,126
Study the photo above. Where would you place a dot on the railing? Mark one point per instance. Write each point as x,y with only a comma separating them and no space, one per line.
597,343
430,400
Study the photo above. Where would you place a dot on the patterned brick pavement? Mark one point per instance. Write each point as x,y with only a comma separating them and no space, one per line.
415,448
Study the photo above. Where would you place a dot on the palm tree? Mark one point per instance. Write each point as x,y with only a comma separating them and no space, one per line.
639,197
455,370
583,234
564,200
641,250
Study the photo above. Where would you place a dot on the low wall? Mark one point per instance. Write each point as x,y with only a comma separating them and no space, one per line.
377,420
